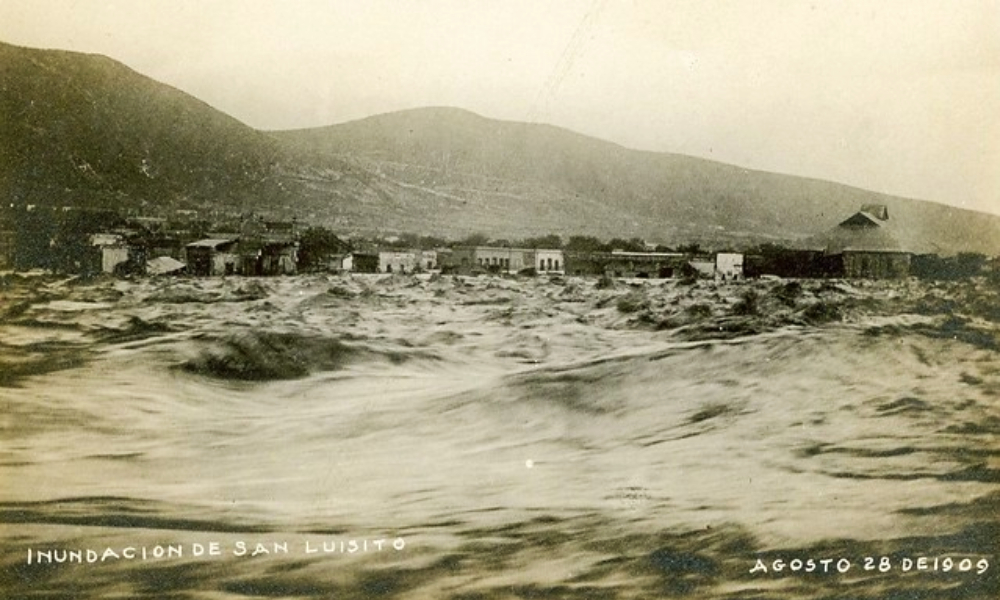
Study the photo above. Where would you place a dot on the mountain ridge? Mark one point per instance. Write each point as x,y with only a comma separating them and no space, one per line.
86,130
688,197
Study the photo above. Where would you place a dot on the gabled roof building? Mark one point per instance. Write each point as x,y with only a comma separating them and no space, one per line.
864,246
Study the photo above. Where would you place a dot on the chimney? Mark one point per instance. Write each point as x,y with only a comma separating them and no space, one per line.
879,211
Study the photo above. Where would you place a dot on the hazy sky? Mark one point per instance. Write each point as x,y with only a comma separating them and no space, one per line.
895,96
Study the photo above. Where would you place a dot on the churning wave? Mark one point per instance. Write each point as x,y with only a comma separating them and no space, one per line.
528,438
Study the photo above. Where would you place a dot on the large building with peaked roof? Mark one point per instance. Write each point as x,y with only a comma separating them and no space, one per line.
864,246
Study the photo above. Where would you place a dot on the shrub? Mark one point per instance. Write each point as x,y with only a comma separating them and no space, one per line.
748,305
700,309
632,302
823,312
788,293
606,282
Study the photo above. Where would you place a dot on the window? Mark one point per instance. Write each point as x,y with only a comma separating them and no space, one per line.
557,264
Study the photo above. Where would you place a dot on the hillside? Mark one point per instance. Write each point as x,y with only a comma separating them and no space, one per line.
85,130
456,167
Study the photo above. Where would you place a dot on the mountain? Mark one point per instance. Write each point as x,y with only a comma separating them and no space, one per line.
453,167
84,130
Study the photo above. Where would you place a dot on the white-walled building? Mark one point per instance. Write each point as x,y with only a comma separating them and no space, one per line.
729,266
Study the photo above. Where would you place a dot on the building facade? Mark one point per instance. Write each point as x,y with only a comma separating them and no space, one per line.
729,266
468,260
398,261
549,261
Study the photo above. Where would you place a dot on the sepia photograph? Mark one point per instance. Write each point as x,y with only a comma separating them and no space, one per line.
520,300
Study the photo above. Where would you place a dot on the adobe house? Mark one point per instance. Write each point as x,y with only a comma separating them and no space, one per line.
864,246
214,256
398,261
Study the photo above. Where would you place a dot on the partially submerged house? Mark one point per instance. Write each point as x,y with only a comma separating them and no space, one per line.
112,248
213,256
467,260
406,261
117,253
494,259
864,246
398,261
263,256
620,263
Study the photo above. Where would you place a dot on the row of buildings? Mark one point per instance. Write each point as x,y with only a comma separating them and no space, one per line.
263,255
861,246
260,248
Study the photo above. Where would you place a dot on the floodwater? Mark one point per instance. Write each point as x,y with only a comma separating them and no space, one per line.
444,437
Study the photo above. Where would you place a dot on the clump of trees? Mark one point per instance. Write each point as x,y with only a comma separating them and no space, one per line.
551,241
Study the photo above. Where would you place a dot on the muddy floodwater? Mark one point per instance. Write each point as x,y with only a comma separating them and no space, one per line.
471,438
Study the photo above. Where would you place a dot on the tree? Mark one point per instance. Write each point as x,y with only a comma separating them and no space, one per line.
429,242
632,245
585,243
475,239
316,244
551,241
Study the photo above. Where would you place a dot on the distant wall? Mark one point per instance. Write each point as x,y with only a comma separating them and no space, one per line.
624,264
